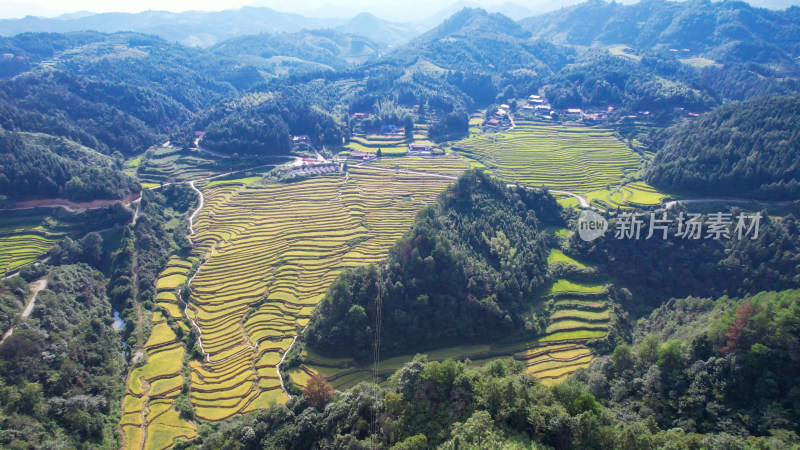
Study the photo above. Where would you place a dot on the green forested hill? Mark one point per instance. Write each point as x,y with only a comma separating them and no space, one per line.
467,270
727,367
43,166
121,92
747,149
60,370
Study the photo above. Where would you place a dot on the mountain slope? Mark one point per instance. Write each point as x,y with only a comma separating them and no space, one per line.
122,92
42,166
719,30
380,30
334,49
474,40
744,149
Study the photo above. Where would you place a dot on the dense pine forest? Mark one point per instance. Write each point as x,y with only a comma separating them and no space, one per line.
178,141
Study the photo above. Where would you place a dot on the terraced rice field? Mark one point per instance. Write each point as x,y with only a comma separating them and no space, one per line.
576,159
638,194
443,165
18,249
270,253
25,235
172,164
578,313
149,418
389,144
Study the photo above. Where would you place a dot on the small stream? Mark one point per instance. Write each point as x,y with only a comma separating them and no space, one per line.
118,322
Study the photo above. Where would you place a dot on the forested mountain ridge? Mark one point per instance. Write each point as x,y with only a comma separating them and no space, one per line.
43,166
333,49
478,41
729,50
467,270
121,92
746,149
721,30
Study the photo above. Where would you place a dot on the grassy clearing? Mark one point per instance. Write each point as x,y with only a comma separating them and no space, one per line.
557,255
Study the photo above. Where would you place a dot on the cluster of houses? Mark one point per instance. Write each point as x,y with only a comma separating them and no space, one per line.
501,119
538,105
314,169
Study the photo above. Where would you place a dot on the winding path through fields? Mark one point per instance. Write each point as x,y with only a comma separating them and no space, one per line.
35,289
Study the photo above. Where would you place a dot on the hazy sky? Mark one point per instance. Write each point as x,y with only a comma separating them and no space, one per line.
323,8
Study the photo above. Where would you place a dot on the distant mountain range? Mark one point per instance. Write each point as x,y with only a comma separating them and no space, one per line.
720,30
204,29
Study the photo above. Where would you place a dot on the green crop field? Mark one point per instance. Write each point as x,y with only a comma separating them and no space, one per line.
638,194
569,286
576,159
556,255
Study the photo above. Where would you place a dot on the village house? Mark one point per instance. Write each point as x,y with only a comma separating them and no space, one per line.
418,147
361,155
301,139
574,112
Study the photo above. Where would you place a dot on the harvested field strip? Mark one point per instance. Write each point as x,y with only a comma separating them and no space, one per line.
446,165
